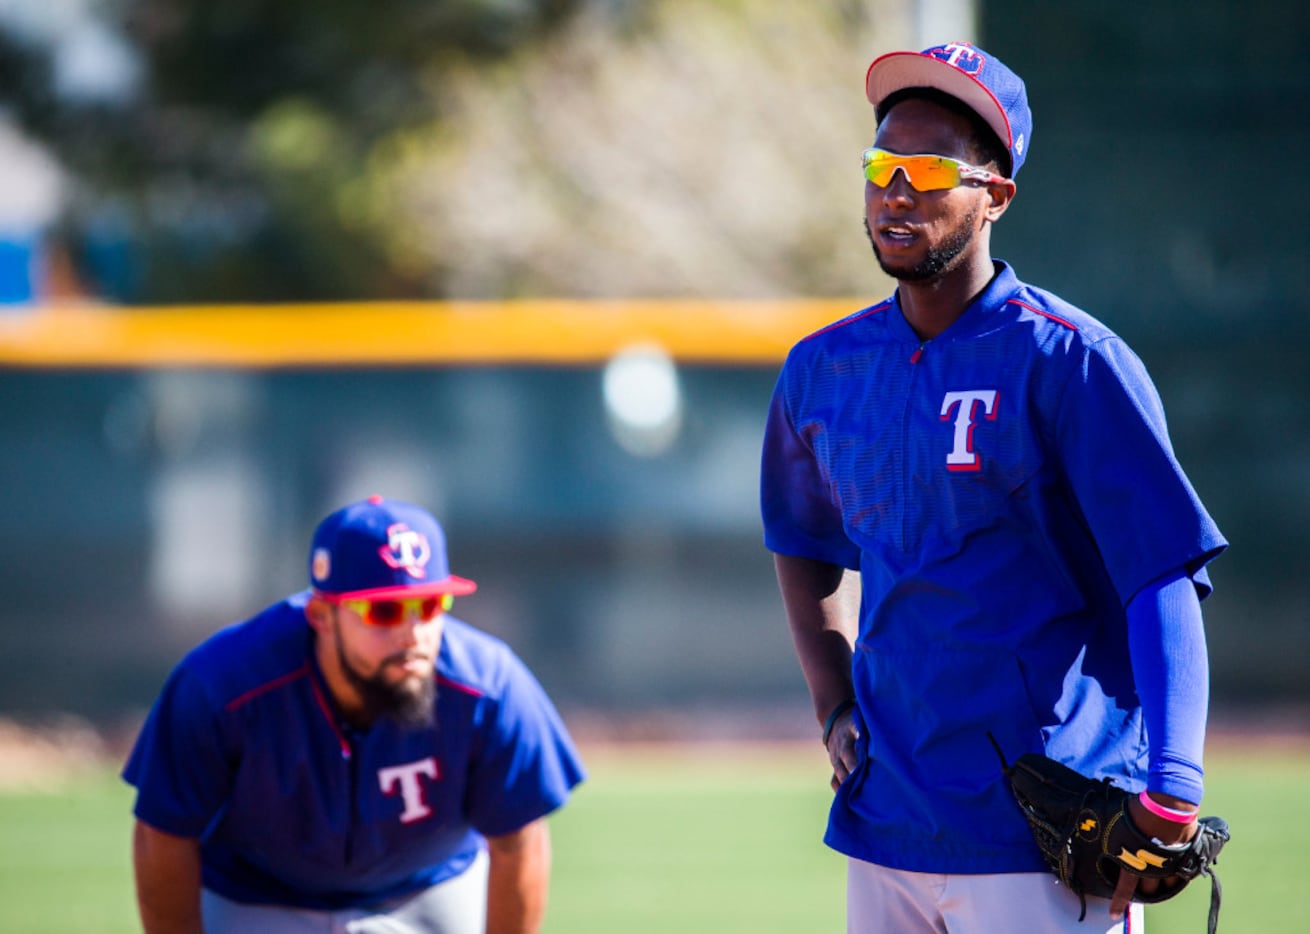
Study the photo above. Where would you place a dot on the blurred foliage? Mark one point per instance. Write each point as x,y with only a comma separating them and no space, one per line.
713,150
222,170
466,148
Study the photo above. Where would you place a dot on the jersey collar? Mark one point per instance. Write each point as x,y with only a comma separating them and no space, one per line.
977,318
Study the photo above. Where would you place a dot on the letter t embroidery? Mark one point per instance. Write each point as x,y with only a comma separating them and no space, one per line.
411,790
965,403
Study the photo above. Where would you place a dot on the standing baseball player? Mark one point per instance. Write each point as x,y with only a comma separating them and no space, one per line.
980,528
353,758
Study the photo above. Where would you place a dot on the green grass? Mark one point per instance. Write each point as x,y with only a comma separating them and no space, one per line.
660,842
65,859
669,840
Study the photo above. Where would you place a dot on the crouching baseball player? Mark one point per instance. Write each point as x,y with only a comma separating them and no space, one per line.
352,758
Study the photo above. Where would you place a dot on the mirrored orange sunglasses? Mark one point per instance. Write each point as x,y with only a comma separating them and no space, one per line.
394,611
924,172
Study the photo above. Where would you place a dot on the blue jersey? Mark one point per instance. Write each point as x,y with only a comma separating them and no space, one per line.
244,751
1004,490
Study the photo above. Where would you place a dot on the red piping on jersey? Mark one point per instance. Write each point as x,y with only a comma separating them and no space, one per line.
845,321
330,717
266,687
462,688
1045,314
301,672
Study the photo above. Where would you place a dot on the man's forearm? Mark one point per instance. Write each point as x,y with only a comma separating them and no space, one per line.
1166,639
518,880
822,605
167,870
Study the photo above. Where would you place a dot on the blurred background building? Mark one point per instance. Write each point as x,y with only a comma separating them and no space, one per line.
160,155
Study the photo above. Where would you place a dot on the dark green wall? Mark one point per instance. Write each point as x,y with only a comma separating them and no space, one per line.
1167,172
627,582
1165,192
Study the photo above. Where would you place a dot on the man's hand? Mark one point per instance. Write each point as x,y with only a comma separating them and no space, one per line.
841,746
1168,833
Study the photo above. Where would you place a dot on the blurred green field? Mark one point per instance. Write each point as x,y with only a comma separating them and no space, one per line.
690,839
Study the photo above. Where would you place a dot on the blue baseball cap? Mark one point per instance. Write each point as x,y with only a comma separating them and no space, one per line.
380,548
965,72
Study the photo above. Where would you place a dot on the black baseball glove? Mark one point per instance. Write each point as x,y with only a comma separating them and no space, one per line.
1085,834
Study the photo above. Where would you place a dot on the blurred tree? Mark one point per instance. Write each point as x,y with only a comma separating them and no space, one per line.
251,151
211,141
709,148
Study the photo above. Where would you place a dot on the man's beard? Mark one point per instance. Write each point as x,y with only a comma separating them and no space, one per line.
937,260
409,702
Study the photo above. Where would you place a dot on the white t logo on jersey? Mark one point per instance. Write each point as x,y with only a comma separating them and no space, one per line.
411,789
965,404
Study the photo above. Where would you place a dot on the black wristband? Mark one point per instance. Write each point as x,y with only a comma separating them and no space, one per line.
832,717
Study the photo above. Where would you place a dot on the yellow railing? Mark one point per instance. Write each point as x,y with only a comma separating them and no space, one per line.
530,332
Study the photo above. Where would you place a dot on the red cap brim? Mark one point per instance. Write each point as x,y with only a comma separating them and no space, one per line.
455,586
898,70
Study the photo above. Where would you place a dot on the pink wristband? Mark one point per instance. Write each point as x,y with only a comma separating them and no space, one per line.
1169,814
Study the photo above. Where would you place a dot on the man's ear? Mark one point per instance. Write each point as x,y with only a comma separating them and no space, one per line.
319,613
1000,194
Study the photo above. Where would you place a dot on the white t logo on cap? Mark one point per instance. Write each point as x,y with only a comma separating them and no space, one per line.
957,51
406,549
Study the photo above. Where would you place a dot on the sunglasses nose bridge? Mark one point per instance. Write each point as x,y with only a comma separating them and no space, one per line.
904,173
408,614
413,612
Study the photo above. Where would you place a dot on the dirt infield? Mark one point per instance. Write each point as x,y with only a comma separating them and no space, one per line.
45,755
